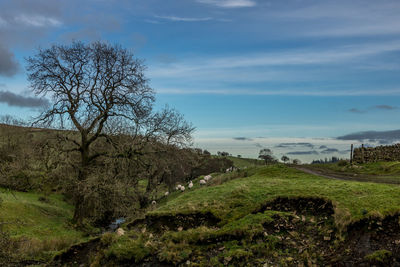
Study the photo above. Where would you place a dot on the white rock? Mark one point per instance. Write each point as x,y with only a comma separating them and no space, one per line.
202,182
182,188
167,193
153,202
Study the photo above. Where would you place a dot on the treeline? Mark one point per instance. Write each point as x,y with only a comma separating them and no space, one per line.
326,160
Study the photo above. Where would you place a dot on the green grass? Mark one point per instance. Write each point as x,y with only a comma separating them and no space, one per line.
376,168
236,198
245,162
236,238
39,228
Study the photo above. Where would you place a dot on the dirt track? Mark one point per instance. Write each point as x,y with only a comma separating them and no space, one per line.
348,176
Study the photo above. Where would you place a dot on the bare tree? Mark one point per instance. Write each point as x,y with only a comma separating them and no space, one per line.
90,84
266,155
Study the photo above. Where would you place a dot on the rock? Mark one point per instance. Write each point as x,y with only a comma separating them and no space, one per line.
120,232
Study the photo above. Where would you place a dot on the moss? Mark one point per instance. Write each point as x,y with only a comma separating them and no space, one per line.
127,249
379,256
174,252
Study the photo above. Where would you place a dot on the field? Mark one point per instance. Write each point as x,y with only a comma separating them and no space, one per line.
39,225
271,214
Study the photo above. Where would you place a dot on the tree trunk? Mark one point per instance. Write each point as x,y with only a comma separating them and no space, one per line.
79,210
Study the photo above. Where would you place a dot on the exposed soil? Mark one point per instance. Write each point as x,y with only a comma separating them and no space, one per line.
78,255
161,223
301,205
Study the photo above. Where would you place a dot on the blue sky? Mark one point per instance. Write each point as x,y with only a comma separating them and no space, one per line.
279,70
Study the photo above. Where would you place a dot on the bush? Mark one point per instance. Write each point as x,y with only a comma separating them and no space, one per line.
343,163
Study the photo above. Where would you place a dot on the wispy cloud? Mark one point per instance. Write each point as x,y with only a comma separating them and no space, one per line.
242,139
355,110
3,22
220,74
377,107
280,92
312,152
37,21
229,3
346,18
385,107
287,58
183,19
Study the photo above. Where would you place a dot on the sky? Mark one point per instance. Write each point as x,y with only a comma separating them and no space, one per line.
249,74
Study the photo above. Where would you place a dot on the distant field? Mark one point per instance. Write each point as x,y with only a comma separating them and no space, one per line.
383,172
245,162
377,168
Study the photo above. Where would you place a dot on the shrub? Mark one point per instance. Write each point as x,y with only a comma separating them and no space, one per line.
343,163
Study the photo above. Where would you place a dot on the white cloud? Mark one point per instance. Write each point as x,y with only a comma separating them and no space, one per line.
343,18
184,19
37,21
229,3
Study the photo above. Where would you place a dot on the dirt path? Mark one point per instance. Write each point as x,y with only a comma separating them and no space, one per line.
348,176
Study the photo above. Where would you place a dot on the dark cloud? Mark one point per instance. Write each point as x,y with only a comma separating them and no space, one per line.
12,99
385,107
379,107
312,152
258,145
242,139
294,145
323,147
355,110
373,136
329,151
8,64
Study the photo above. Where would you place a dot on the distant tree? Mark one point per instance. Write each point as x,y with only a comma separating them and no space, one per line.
206,152
296,162
222,154
266,155
239,156
285,158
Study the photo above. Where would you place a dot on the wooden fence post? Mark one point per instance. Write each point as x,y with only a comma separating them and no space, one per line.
351,154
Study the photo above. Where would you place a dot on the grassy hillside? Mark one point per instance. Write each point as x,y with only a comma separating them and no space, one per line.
376,168
39,225
271,215
235,198
245,162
